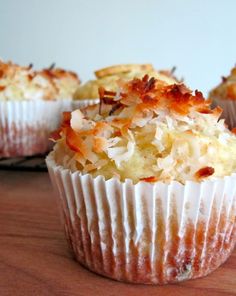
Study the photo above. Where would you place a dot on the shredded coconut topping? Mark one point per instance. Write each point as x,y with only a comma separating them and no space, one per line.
89,90
24,83
148,131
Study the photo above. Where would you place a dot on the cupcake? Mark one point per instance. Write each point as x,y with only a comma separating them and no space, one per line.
87,94
147,183
30,106
65,82
224,95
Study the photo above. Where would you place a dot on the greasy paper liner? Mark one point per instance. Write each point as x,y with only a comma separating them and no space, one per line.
147,233
229,111
78,104
25,126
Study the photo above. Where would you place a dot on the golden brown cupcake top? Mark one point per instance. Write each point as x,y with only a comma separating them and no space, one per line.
108,77
125,68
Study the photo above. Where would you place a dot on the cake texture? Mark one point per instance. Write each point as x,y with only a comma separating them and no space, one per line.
146,181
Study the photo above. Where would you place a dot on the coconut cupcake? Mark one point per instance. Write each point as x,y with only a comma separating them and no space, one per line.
147,184
224,95
87,94
30,106
65,82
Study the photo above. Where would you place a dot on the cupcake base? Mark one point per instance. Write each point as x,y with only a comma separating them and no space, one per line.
25,126
147,233
133,267
146,279
24,142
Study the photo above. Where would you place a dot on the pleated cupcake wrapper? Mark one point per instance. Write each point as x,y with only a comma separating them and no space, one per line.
25,126
229,111
78,104
146,233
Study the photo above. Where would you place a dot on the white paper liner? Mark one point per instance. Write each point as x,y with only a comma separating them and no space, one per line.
25,126
78,104
229,111
147,233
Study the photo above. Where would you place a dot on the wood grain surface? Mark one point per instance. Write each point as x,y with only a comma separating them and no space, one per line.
35,258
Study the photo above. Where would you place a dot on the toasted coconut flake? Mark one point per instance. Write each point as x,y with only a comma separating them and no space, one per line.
75,142
66,117
150,179
115,107
99,144
204,173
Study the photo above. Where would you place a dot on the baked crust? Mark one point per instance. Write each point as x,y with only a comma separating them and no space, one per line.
109,76
122,69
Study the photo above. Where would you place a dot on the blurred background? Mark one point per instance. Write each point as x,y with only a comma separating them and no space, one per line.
198,37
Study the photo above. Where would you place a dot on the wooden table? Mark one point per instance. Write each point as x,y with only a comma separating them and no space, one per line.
35,259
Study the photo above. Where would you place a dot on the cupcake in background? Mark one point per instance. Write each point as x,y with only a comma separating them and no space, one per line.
87,93
224,95
65,82
147,183
30,106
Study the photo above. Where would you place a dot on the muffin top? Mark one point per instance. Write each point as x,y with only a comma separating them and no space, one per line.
226,90
108,77
148,131
24,83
